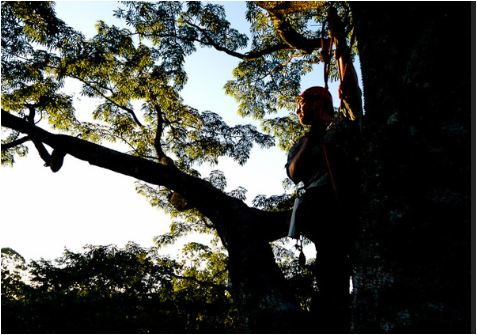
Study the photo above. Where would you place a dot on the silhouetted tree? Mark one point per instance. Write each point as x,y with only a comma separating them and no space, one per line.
105,289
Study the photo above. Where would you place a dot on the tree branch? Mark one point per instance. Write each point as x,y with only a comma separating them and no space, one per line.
96,154
127,109
285,31
223,210
245,56
90,84
160,125
44,154
12,144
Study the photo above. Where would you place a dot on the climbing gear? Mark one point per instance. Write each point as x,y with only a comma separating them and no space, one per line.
326,54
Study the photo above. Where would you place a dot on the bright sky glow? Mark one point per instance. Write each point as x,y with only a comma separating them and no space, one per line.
44,212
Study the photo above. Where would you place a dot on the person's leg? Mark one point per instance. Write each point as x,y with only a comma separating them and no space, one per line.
333,300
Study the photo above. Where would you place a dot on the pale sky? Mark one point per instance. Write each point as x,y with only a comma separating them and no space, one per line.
44,212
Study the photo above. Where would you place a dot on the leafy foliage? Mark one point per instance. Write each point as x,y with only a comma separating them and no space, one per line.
134,290
107,289
13,266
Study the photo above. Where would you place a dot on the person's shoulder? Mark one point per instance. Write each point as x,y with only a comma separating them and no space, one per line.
296,145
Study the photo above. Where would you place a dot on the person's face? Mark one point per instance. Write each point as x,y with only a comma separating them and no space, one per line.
307,111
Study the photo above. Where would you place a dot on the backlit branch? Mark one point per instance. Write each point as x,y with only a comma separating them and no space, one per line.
222,209
293,39
127,109
245,56
44,154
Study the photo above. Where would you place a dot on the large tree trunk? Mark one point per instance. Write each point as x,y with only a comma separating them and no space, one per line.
412,270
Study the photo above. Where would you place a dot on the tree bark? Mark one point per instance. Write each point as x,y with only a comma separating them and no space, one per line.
412,256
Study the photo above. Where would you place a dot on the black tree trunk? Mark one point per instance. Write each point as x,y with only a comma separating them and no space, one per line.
412,256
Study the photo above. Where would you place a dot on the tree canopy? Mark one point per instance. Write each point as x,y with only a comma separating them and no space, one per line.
137,73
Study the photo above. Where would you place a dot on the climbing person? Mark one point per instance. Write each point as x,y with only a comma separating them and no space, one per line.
316,162
324,163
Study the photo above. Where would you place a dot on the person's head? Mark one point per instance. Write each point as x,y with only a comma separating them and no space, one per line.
315,106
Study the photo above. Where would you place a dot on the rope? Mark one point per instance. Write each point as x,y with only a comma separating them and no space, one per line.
330,171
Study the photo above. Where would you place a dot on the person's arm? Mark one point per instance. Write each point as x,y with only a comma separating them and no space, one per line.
349,89
301,163
296,167
349,80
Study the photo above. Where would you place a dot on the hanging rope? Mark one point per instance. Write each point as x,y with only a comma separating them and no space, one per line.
326,51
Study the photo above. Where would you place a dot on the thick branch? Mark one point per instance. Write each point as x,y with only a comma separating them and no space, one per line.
285,31
220,208
44,154
96,154
273,225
